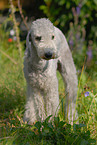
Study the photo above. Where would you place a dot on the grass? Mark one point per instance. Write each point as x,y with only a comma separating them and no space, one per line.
14,131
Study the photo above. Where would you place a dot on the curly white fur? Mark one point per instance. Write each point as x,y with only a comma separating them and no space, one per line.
47,52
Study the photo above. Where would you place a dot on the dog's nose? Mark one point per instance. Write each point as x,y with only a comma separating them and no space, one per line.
48,55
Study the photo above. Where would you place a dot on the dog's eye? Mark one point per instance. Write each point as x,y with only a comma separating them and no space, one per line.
38,38
53,37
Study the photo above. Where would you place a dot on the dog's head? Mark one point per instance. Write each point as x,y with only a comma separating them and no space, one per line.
43,39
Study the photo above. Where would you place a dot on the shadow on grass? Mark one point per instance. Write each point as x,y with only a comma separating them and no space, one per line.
12,91
11,99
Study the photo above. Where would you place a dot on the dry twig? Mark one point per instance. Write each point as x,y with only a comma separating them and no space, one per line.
24,19
16,27
8,56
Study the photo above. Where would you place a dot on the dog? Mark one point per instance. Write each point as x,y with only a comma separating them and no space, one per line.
46,52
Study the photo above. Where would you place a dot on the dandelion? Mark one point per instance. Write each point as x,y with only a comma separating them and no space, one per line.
86,94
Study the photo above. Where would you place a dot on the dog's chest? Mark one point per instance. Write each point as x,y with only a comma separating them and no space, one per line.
43,77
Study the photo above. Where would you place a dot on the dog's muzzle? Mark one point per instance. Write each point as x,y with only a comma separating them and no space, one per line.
48,55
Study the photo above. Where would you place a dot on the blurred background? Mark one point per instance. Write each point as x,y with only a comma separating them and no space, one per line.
78,21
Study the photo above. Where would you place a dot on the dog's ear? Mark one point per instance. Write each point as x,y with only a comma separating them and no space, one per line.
28,39
28,45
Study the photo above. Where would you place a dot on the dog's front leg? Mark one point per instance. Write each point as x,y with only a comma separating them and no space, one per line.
35,108
68,72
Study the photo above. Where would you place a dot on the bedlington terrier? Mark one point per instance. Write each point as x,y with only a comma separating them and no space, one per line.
47,51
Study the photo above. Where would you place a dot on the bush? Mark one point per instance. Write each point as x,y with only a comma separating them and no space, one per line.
63,12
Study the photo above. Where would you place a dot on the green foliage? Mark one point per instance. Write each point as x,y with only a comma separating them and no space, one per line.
62,133
63,12
58,132
87,100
